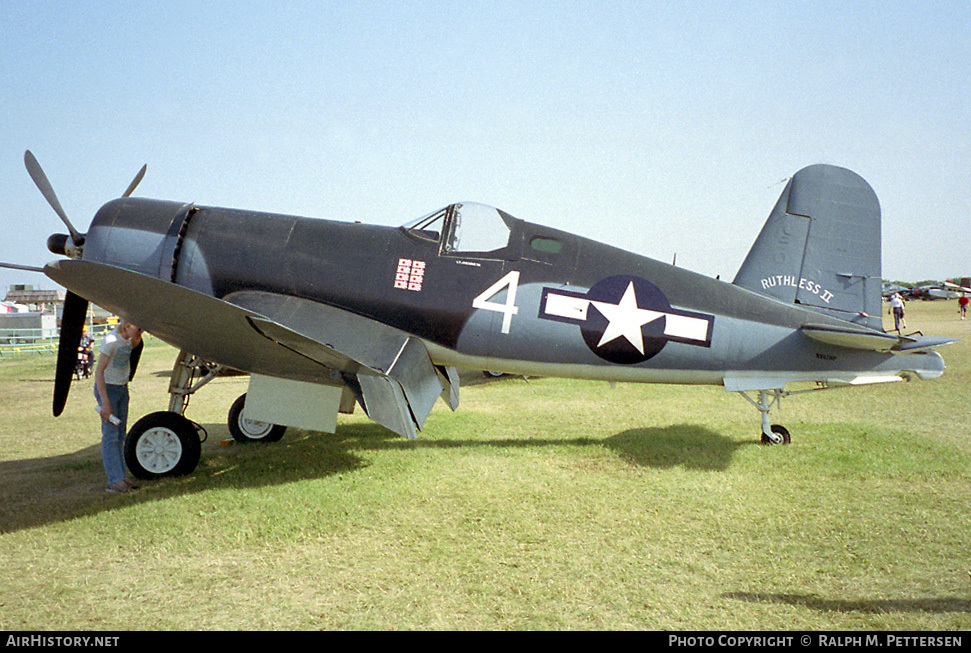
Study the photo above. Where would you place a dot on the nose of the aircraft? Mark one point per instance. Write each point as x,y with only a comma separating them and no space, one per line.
64,245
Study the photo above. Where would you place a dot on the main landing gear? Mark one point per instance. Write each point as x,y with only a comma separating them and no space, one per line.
250,430
166,443
771,433
162,444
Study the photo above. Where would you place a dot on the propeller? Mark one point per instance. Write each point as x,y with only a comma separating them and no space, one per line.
28,268
135,181
72,327
75,307
40,179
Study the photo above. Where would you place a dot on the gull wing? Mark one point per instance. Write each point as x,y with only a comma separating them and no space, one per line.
276,335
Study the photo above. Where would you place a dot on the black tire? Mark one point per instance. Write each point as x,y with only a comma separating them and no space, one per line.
779,430
247,430
162,444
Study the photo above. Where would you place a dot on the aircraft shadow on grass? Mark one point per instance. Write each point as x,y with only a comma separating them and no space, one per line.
73,482
683,445
930,605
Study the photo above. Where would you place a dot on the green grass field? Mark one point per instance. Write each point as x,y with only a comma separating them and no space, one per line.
540,504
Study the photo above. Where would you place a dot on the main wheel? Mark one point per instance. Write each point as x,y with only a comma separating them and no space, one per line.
250,430
779,430
162,444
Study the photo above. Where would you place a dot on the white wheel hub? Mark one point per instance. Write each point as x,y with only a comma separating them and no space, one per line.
158,450
254,428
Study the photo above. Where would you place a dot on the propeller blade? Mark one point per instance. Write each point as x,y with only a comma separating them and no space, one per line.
135,181
28,268
72,325
40,179
136,355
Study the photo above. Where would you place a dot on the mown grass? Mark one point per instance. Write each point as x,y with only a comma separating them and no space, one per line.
540,504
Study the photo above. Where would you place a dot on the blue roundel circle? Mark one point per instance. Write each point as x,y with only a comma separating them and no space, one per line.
622,326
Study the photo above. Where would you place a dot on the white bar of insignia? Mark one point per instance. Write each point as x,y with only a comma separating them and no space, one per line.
682,326
573,308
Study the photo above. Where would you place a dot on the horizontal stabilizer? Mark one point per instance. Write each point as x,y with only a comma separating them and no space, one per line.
919,343
850,337
867,339
750,382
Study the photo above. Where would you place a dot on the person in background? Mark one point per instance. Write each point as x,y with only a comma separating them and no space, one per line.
897,310
85,355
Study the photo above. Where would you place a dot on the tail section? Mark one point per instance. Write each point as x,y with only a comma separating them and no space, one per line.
820,247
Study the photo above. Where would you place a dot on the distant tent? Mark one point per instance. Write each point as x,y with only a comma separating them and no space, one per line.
11,307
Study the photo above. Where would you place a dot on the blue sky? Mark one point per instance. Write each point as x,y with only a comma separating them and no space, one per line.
661,127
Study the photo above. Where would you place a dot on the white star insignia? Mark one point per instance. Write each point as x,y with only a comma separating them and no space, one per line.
625,319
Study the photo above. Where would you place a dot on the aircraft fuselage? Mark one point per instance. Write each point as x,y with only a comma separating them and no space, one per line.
539,301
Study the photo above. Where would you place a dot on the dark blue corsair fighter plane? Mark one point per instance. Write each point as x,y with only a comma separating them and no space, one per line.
324,315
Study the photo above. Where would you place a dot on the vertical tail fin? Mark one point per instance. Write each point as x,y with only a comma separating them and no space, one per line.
820,247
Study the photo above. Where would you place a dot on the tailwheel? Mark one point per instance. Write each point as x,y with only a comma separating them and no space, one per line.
775,433
162,444
780,435
249,430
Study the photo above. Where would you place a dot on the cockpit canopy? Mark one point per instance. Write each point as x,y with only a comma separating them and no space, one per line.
467,227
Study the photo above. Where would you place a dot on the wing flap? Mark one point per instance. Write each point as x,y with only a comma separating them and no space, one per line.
391,372
385,402
421,384
307,347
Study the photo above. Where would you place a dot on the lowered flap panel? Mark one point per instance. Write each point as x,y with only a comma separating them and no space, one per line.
389,371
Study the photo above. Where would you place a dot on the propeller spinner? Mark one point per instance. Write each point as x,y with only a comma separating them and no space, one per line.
75,306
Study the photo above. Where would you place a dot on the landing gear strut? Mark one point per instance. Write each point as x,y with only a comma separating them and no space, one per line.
771,433
184,384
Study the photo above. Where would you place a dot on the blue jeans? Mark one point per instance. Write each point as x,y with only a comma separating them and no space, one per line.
113,437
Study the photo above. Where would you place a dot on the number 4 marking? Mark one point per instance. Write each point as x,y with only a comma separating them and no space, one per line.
509,308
